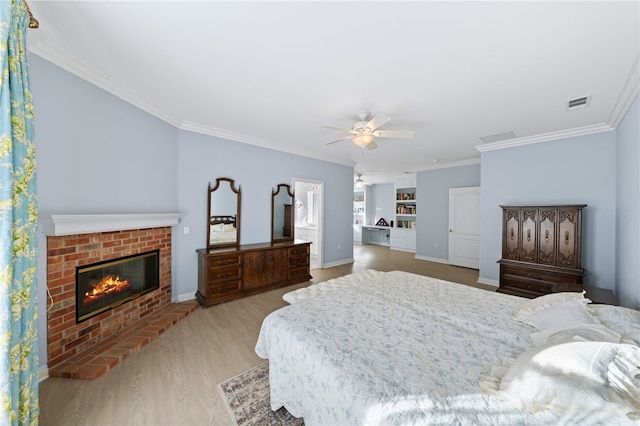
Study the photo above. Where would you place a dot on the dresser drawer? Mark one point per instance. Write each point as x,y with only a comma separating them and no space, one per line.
223,273
224,260
298,273
299,261
299,251
216,288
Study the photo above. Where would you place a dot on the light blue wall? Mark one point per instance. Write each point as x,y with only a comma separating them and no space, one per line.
432,195
99,154
579,170
628,208
381,203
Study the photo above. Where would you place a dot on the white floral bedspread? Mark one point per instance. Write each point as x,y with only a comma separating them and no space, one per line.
398,349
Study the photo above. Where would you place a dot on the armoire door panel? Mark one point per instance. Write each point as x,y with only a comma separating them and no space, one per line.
547,237
528,251
567,243
511,234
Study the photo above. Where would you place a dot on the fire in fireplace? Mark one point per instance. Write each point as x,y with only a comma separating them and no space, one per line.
104,285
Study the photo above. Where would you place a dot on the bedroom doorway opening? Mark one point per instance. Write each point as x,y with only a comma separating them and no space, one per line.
308,211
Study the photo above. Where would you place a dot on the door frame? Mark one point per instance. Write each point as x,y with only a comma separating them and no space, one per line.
467,262
320,223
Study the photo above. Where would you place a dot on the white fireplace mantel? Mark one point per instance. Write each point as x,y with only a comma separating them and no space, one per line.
72,224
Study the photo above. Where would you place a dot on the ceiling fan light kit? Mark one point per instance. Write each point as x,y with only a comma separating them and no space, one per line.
363,140
364,132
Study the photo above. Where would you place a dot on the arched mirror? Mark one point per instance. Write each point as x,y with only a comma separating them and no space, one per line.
282,213
223,227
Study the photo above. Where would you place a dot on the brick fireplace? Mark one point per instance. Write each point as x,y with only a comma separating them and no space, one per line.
68,341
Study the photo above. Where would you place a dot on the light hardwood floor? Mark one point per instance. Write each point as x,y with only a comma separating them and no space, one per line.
173,380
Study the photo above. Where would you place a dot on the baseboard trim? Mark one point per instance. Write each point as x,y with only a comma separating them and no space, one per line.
487,281
184,297
337,263
432,259
44,373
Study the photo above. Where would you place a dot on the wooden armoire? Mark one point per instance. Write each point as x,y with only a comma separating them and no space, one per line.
541,249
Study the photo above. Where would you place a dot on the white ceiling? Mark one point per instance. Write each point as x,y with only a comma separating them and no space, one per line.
271,73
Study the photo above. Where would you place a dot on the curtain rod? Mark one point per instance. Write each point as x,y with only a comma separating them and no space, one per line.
33,22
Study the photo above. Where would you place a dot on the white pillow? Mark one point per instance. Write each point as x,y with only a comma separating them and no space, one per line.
532,306
218,227
583,332
577,376
563,315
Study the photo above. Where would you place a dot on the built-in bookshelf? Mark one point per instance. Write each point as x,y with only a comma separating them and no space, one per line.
405,208
403,234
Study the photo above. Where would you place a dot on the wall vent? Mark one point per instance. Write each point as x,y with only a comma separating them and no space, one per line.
578,103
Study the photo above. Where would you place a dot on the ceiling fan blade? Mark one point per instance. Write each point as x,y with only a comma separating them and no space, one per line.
338,140
399,134
372,145
377,121
340,128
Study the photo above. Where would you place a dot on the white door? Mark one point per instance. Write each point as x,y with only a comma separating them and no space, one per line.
464,227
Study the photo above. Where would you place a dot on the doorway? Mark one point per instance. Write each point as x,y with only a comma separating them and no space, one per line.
308,211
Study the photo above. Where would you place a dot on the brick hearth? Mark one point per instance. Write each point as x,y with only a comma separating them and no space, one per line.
96,360
88,349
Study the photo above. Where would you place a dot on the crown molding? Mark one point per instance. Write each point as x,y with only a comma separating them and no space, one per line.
628,94
545,137
450,164
70,63
237,137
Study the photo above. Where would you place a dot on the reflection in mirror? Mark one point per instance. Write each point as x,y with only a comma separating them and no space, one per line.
223,227
282,213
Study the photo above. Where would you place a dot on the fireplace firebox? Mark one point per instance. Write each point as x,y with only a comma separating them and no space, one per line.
104,285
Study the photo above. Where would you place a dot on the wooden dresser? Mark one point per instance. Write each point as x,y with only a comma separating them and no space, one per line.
230,273
541,248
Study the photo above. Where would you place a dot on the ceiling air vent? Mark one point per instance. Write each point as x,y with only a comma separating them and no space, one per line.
578,103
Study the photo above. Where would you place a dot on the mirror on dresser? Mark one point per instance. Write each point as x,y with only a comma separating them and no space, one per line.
223,226
282,213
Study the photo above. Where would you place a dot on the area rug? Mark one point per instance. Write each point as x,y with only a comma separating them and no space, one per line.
247,395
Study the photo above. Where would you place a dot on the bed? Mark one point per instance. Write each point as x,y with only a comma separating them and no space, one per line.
222,229
399,348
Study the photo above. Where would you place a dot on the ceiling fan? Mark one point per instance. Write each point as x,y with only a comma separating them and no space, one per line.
364,132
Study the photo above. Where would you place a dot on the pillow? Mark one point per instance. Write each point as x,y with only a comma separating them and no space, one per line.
218,227
564,315
623,320
583,332
532,306
576,376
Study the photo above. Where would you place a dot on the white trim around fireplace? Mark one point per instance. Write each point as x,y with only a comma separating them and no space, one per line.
71,224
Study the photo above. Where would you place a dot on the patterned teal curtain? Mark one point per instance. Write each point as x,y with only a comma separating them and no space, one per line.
18,215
